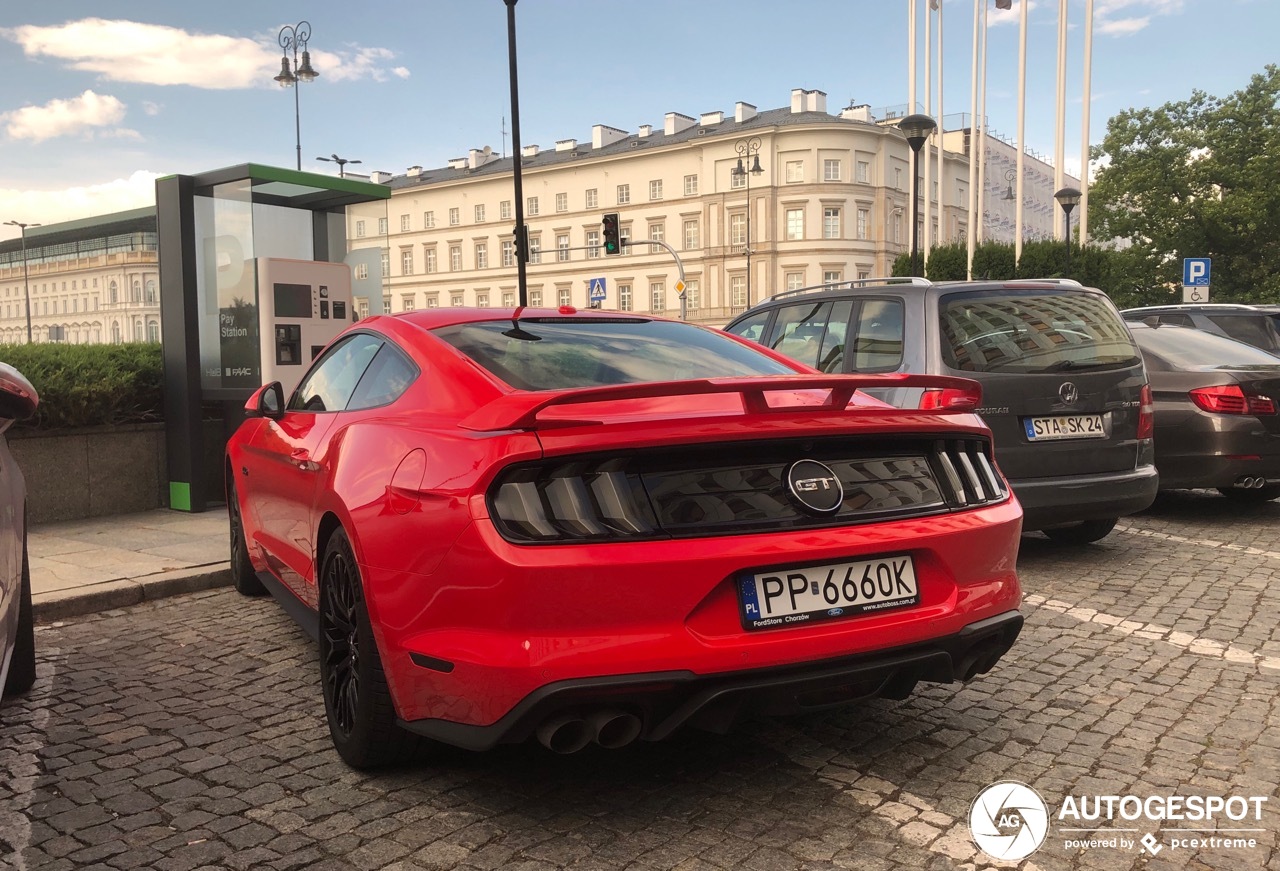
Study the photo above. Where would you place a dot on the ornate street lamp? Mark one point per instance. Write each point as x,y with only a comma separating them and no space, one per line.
748,150
917,129
1068,198
291,39
1009,176
26,284
341,161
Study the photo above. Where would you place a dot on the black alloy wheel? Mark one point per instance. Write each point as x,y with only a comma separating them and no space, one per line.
357,702
22,665
243,576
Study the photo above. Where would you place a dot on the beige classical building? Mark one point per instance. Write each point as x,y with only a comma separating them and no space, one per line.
831,202
94,280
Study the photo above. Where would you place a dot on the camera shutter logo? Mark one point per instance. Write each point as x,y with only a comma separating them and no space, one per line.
1009,820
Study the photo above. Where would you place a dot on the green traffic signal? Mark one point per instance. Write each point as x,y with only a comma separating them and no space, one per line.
612,237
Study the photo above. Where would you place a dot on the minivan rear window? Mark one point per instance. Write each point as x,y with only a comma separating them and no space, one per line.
1033,331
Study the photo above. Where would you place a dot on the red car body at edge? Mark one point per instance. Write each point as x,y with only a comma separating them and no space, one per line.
586,526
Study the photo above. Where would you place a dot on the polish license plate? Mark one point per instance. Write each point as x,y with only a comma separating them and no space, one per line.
1067,426
789,597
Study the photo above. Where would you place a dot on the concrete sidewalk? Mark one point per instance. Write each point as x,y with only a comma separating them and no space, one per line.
85,566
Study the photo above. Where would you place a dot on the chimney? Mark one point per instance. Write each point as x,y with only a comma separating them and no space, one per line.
743,112
646,130
710,119
529,151
458,163
379,177
478,157
860,112
413,171
566,144
797,100
602,135
675,123
815,101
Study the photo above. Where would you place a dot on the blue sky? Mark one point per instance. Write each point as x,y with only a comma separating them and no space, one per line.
98,98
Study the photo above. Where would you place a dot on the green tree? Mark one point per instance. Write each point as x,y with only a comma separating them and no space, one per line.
948,263
1197,178
993,261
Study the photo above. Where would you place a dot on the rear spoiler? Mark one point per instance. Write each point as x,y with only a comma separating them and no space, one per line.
520,409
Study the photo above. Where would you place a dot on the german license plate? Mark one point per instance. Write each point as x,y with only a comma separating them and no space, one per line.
1067,426
788,597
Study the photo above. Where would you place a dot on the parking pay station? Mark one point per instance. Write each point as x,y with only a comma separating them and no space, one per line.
254,283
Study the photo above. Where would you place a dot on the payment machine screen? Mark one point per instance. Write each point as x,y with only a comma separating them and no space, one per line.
293,300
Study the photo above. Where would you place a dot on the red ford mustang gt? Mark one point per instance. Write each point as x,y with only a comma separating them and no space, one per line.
592,527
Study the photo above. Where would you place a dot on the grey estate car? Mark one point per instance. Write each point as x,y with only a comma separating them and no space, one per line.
1064,389
1252,324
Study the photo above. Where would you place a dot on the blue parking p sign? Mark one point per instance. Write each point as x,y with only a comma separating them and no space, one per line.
1195,271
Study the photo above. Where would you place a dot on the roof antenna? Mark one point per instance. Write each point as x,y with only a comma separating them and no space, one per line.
504,137
518,332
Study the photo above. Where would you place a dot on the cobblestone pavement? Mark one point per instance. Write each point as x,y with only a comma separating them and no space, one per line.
189,733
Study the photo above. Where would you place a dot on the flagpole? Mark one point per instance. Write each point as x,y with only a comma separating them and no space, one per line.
927,187
942,183
1060,138
1022,128
1084,124
973,140
911,57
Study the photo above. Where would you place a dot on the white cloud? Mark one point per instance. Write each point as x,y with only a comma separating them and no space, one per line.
998,17
1127,17
150,108
70,204
71,117
130,51
1122,26
400,72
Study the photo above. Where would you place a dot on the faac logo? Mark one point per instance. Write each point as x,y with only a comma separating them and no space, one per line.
814,487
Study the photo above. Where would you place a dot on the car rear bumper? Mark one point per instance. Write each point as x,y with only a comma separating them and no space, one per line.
665,701
1057,501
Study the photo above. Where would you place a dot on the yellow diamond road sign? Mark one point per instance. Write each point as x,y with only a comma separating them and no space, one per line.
679,287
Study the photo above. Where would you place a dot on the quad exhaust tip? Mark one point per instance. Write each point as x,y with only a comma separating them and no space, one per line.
569,733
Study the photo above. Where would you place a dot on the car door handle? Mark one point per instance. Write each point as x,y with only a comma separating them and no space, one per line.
302,459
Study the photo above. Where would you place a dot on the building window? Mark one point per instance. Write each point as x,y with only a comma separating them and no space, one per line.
433,300
531,206
382,226
535,299
691,234
593,244
455,217
359,229
564,296
655,189
795,224
151,290
624,194
863,216
562,247
830,223
864,172
407,303
364,308
428,219
692,294
624,239
795,280
593,198
795,171
658,231
831,276
737,180
831,170
362,270
562,202
897,177
153,332
933,194
482,300
455,258
455,300
738,229
690,185
508,253
137,293
386,263
429,255
508,299
480,214
386,302
535,249
738,291
504,210
482,255
863,275
624,298
897,228
404,223
657,296
406,262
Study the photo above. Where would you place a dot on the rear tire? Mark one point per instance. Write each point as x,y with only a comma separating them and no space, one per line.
1082,533
22,665
357,702
1250,496
243,576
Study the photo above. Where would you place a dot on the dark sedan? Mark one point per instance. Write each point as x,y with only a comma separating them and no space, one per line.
1216,399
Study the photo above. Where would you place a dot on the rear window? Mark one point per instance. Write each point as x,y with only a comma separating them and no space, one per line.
1180,348
563,353
1255,330
1033,331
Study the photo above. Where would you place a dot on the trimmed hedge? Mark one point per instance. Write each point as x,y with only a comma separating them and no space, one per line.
91,385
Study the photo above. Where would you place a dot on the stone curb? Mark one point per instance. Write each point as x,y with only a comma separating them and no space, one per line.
79,601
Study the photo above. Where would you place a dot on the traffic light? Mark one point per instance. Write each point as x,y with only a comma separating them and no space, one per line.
612,239
521,243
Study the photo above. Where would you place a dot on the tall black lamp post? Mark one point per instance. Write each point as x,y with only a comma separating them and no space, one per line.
1068,198
26,284
291,39
917,129
748,151
341,161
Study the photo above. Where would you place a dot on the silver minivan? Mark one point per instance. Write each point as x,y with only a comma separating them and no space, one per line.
1064,389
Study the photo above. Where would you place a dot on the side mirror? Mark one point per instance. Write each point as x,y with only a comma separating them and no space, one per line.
267,401
18,399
